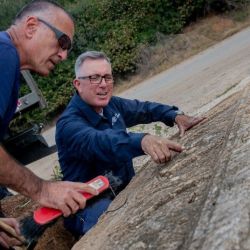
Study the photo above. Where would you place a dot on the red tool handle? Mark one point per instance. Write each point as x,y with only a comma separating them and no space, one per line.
45,215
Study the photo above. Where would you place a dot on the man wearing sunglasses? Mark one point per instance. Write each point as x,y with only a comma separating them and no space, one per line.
40,37
92,137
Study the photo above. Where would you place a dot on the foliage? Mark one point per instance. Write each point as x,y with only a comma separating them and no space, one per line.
8,11
119,28
57,173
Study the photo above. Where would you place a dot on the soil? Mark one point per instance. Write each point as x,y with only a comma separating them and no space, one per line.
173,49
54,238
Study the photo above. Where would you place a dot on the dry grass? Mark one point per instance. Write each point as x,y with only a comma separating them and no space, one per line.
173,49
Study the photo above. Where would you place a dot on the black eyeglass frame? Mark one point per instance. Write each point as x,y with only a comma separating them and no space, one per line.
100,77
60,36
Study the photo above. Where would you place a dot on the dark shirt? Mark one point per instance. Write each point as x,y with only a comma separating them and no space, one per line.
9,81
90,144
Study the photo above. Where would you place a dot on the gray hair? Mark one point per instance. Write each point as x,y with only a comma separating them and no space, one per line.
38,6
89,54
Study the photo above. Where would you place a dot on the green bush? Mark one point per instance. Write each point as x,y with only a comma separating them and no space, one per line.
8,11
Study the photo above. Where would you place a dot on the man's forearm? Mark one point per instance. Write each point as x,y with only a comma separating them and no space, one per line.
62,195
18,177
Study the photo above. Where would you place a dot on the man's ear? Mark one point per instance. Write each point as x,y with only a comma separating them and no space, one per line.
31,25
76,84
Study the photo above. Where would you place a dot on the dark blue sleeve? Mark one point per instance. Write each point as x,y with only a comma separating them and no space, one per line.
136,112
107,145
8,65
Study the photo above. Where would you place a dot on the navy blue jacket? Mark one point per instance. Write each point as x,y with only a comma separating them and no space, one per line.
9,81
90,144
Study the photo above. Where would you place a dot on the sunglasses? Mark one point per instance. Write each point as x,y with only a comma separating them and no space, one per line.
63,39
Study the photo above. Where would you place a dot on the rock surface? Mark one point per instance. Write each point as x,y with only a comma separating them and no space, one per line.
199,200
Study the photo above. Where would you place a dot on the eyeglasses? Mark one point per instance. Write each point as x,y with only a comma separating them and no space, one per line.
97,79
63,39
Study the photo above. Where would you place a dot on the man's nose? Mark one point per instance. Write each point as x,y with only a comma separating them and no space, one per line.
63,54
103,82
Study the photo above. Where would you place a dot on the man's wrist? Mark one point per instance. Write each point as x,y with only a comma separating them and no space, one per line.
178,112
37,190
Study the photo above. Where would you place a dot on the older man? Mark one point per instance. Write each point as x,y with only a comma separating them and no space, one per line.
92,138
40,38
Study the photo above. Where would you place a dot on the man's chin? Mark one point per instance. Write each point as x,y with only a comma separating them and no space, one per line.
44,72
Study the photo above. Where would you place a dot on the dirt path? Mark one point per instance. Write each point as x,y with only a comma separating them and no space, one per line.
200,79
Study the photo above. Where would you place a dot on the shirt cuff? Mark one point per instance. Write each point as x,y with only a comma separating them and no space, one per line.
171,115
136,139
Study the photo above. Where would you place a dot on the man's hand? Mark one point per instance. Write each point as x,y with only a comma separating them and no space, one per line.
6,240
160,149
185,122
64,195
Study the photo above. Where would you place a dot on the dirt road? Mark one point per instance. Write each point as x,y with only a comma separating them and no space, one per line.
190,85
200,79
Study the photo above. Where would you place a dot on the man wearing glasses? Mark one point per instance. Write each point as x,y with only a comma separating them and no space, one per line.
92,139
40,38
